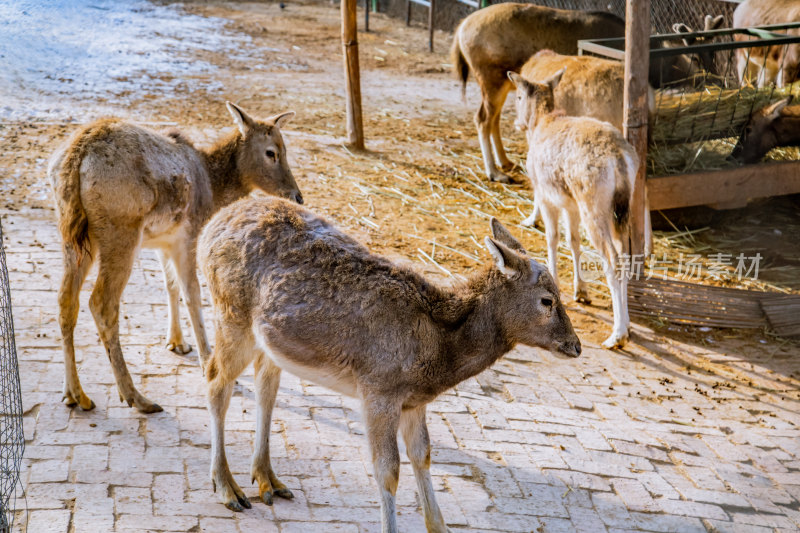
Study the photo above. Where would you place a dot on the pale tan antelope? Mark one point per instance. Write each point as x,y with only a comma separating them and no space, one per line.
586,168
502,37
119,187
292,292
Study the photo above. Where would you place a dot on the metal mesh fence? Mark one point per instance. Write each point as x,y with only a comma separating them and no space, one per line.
663,13
12,440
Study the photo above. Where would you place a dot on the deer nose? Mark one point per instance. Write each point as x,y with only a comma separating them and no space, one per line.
572,349
297,197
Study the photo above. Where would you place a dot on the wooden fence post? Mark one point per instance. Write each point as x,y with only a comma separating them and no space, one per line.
637,64
355,125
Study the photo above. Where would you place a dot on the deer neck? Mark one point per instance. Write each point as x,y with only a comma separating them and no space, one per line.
223,171
478,339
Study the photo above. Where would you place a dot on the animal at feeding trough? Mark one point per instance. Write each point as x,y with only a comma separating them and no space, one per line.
591,86
292,292
119,187
586,168
774,125
685,69
768,64
503,37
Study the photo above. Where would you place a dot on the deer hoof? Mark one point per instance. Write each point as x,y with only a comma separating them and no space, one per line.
508,167
180,348
582,297
500,178
239,504
149,408
284,493
266,497
615,341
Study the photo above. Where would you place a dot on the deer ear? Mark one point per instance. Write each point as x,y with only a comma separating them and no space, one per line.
507,261
242,119
713,23
555,79
502,234
282,119
680,27
516,79
773,111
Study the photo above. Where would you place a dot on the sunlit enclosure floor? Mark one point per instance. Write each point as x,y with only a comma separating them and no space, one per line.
685,430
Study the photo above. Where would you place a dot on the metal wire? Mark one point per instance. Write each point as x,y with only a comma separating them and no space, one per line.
12,440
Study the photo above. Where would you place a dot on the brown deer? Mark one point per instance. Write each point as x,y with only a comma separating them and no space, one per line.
292,292
586,168
502,37
119,187
771,126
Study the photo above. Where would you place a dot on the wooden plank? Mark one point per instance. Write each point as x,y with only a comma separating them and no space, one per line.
355,124
637,60
734,185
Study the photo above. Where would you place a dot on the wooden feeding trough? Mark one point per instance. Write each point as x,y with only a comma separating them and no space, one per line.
709,111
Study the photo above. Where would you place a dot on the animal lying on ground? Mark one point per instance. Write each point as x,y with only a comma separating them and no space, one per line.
772,126
502,37
292,292
768,64
119,187
587,169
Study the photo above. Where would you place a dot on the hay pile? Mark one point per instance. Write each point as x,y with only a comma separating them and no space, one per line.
697,130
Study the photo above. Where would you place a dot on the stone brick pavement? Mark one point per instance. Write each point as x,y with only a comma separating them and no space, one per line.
666,437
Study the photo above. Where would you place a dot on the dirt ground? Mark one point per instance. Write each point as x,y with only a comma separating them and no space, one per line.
417,193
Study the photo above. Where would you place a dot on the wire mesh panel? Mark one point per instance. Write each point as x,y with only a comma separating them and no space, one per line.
12,440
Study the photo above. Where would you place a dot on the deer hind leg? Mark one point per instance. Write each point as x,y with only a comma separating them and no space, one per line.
185,259
499,98
581,290
75,270
234,350
418,448
175,340
382,421
115,264
602,238
268,378
483,121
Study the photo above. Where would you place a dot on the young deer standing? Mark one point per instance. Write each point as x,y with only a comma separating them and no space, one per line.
119,187
292,292
586,168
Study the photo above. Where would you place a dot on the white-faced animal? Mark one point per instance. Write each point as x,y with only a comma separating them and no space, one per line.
585,168
120,187
292,292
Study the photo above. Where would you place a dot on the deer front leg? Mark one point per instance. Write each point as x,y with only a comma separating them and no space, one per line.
186,264
268,378
382,420
418,447
175,341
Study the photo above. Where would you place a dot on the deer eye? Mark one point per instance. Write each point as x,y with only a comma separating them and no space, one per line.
271,155
547,302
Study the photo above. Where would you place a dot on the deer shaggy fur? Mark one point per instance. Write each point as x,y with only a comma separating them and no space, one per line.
502,37
776,124
119,187
586,168
292,292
